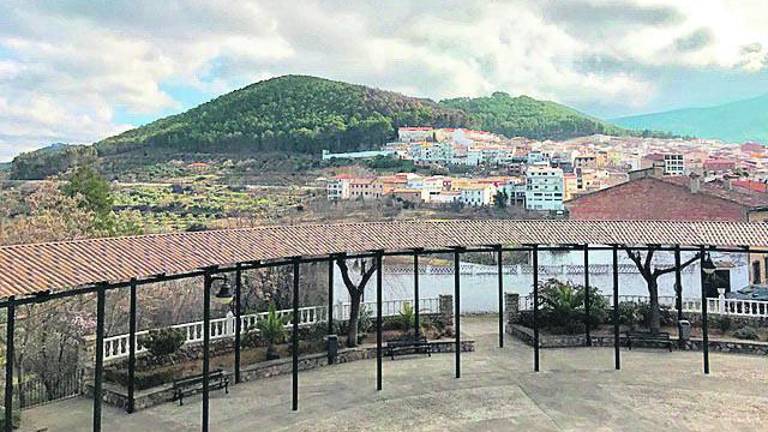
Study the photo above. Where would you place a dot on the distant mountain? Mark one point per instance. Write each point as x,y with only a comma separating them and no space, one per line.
745,120
528,117
304,114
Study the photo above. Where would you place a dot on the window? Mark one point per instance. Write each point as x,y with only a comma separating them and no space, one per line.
756,276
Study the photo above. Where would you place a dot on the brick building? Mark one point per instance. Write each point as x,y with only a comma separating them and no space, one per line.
682,198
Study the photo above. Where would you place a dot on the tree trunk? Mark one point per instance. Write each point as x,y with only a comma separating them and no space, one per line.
654,316
354,318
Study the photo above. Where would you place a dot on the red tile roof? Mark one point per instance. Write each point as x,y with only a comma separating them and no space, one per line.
27,269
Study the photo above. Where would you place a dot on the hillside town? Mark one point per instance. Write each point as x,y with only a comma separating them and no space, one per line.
542,176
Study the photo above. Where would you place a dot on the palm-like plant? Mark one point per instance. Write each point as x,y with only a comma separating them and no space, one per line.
272,330
408,317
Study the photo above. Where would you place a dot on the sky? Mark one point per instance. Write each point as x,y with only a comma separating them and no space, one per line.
79,71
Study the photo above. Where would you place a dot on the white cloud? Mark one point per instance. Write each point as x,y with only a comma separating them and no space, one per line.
66,67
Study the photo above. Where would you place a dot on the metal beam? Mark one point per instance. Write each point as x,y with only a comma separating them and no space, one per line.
295,335
500,268
457,309
207,282
616,351
330,295
535,308
99,366
587,292
704,320
379,320
238,320
10,330
416,307
132,348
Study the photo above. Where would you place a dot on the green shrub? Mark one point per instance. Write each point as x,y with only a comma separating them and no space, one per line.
142,379
722,323
746,333
407,317
164,342
562,307
272,331
365,320
668,317
15,419
629,313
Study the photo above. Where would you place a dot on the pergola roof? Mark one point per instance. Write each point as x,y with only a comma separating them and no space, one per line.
28,269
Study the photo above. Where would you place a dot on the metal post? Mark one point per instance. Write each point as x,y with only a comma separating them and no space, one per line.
678,286
99,367
9,354
330,295
501,295
457,309
295,338
704,320
132,347
379,320
207,282
416,292
616,351
535,308
586,295
238,322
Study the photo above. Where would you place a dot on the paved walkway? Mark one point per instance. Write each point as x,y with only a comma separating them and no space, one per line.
576,390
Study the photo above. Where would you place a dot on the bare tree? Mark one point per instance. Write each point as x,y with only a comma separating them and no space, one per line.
651,275
355,295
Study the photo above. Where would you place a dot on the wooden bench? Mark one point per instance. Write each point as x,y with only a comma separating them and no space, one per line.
190,385
661,338
408,345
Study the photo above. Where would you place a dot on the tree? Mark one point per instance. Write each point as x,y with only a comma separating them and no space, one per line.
501,199
651,275
355,295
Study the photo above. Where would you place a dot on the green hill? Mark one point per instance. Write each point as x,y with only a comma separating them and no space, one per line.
740,121
528,117
303,115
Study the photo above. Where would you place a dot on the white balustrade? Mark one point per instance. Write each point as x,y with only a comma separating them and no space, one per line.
117,346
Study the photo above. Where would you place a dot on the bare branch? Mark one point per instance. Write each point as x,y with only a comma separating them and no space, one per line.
659,272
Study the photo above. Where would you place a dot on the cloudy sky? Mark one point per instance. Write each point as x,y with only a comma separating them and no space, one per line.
78,71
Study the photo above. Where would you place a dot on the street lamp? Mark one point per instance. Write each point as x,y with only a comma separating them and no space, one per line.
708,266
224,295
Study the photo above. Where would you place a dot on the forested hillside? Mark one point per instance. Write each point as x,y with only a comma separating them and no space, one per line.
304,115
528,117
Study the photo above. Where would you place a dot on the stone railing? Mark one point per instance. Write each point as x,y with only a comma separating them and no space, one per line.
116,347
715,305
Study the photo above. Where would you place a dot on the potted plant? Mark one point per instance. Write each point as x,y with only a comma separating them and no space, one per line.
272,330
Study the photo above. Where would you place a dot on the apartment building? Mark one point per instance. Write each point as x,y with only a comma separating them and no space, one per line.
544,187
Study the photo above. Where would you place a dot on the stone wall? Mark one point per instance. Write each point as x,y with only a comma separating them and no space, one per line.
512,308
525,334
117,396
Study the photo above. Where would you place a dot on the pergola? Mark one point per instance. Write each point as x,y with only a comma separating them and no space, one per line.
36,273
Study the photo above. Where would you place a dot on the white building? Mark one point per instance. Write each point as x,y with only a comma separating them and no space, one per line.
544,187
414,134
477,196
338,188
674,164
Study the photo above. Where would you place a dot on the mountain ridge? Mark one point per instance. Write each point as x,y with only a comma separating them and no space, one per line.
304,114
737,121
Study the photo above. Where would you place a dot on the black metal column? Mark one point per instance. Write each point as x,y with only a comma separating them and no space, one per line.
704,320
99,367
499,253
457,309
207,282
132,347
238,321
678,286
535,308
379,319
330,295
10,330
416,307
295,336
616,351
587,291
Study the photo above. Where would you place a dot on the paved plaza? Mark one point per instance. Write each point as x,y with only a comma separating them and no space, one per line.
577,389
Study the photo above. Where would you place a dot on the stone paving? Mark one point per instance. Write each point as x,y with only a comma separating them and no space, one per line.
577,389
